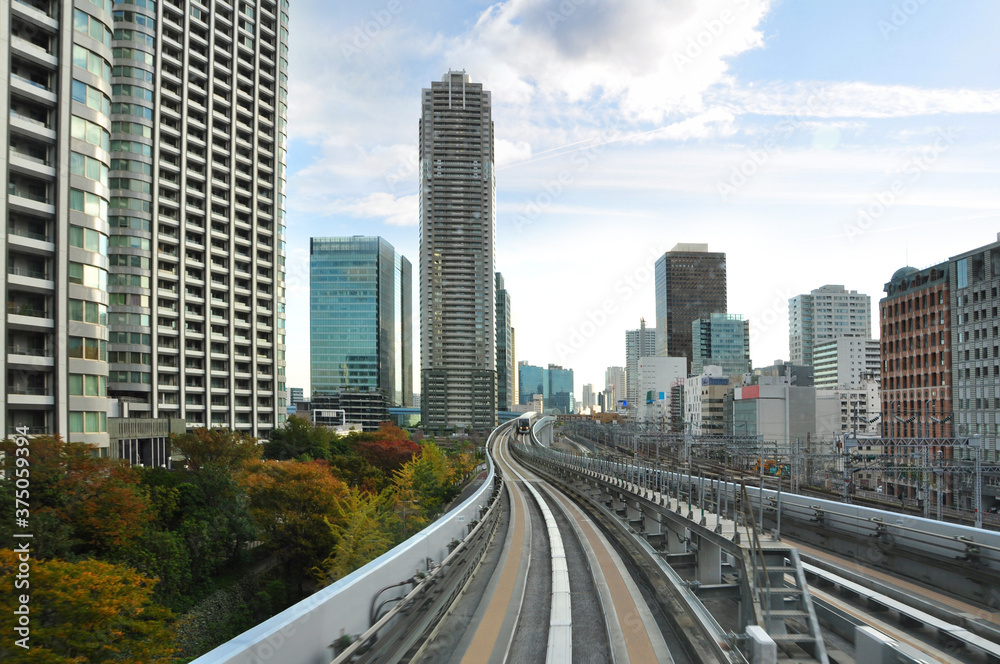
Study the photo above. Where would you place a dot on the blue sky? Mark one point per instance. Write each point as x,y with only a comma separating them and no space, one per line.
813,142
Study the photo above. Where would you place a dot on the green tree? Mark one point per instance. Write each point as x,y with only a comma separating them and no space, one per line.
299,439
84,613
360,532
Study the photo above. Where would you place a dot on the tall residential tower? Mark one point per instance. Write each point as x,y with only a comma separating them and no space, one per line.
457,246
638,343
506,380
829,312
150,189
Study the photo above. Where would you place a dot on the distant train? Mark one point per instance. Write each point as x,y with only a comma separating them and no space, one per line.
524,422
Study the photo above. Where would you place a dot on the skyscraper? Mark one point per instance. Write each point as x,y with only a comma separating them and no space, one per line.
614,387
828,312
360,318
721,340
690,283
457,230
638,343
560,395
57,82
532,381
505,348
160,209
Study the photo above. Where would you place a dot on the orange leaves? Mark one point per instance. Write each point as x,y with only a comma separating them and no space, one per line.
88,611
230,449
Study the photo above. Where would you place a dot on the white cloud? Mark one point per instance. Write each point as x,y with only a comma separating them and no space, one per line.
649,58
855,100
395,211
510,152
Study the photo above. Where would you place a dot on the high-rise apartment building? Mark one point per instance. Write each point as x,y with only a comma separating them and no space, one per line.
589,397
826,313
153,143
975,336
614,387
360,318
638,343
457,231
505,348
846,362
56,60
722,340
690,283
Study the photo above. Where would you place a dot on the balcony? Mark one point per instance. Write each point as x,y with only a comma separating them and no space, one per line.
28,395
28,357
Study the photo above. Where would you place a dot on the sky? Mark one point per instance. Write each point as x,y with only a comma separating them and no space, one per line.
825,142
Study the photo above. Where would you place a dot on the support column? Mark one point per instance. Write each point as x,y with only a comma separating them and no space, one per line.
709,562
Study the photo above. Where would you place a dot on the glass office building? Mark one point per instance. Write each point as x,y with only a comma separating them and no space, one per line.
360,318
721,340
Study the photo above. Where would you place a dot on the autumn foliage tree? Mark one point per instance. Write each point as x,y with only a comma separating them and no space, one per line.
85,612
81,504
359,529
291,502
222,447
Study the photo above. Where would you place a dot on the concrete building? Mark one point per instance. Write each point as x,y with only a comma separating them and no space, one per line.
846,362
614,388
826,313
656,376
783,413
722,340
144,215
704,402
974,282
457,243
360,318
690,283
860,409
296,394
589,400
793,374
638,343
506,378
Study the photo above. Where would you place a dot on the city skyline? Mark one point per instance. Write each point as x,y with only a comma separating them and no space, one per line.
904,106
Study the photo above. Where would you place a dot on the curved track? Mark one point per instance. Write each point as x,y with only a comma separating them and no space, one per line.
560,592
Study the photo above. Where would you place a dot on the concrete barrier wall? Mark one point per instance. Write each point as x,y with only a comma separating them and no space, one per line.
304,632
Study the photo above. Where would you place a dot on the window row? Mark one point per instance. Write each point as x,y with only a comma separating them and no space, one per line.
92,97
133,54
92,133
136,338
83,348
88,25
92,62
86,385
88,203
85,311
134,147
134,128
88,167
88,422
88,275
89,239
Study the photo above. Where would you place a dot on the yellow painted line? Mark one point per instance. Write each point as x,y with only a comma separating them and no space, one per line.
487,633
637,642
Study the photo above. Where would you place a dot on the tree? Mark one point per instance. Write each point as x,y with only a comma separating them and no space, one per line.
388,455
80,503
290,501
299,438
360,532
86,612
229,449
428,477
